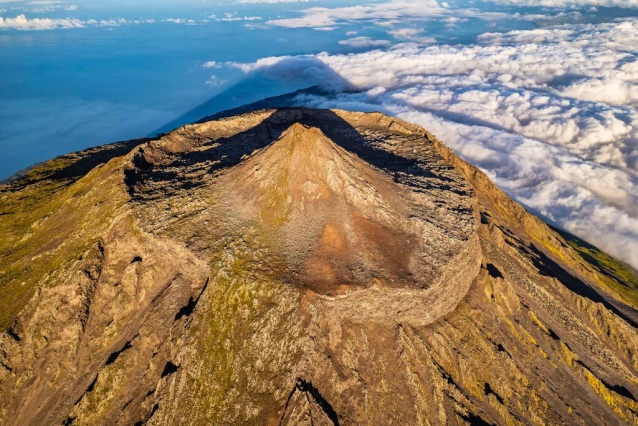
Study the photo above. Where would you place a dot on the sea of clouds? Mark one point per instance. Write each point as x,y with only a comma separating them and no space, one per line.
549,114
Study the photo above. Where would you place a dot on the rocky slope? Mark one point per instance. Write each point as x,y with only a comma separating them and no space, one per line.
295,266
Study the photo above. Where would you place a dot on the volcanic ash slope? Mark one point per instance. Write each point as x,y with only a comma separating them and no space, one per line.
296,266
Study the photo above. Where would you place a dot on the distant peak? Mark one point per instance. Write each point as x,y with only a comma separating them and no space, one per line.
298,133
298,127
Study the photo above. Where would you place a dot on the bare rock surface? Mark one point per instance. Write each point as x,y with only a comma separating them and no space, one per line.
293,267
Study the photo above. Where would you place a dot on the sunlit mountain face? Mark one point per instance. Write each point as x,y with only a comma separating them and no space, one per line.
540,94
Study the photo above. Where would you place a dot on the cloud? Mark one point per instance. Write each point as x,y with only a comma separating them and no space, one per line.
454,20
215,81
549,114
180,21
411,34
364,42
393,12
21,22
212,64
618,35
230,17
384,14
45,7
596,61
270,1
571,3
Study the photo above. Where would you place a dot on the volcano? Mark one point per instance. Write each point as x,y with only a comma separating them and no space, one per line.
301,267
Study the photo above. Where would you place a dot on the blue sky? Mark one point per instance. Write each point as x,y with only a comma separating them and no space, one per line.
541,94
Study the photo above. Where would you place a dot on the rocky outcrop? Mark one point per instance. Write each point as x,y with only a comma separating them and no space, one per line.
293,267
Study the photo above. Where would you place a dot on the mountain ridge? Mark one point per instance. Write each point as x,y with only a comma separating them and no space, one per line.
293,266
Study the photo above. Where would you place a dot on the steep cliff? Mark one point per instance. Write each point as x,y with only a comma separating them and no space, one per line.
299,266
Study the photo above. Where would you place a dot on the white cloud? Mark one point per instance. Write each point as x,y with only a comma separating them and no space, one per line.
399,12
270,1
21,22
615,35
364,42
252,26
214,81
44,7
230,17
411,34
572,3
180,21
454,20
212,64
549,114
383,14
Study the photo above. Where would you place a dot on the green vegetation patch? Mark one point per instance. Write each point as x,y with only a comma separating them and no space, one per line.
617,275
245,340
47,223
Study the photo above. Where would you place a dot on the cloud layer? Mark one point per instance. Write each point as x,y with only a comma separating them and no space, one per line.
21,22
364,42
383,14
572,3
549,114
389,13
